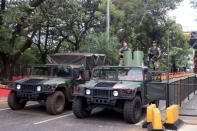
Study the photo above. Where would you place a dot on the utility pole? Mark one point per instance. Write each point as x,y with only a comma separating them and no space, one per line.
168,73
108,19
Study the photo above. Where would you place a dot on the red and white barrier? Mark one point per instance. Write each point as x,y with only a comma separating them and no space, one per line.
4,91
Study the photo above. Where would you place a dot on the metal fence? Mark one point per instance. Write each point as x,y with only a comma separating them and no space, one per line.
181,89
174,92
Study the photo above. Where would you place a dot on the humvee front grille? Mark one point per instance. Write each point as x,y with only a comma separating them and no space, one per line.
101,93
28,88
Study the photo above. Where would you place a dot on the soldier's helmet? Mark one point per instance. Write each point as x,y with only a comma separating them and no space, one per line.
154,43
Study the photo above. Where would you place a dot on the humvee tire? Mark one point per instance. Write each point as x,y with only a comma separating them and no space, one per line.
14,102
55,103
132,110
79,108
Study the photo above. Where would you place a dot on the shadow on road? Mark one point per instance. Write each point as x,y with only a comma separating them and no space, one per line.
40,108
109,115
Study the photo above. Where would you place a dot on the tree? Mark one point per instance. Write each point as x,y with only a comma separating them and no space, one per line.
48,38
57,27
72,25
116,18
18,25
98,43
80,19
144,20
179,56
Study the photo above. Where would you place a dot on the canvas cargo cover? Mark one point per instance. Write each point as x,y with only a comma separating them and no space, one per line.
87,60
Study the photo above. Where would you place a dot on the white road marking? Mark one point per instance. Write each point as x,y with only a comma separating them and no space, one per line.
139,123
4,109
53,119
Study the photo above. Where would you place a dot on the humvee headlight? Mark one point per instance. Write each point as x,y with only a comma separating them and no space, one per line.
18,87
38,88
115,93
88,92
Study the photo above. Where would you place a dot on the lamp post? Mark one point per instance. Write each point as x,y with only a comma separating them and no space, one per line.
108,19
168,73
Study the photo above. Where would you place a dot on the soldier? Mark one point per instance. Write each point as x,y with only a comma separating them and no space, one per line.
121,52
154,53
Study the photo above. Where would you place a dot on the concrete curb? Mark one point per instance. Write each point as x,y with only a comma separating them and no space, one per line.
3,86
3,100
189,120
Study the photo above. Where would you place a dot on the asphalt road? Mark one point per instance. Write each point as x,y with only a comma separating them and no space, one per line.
35,118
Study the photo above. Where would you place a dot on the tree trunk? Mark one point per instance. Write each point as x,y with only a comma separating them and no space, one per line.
6,68
9,63
44,57
77,44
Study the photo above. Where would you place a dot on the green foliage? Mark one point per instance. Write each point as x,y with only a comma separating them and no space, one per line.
18,24
29,57
78,25
179,56
116,17
98,43
5,81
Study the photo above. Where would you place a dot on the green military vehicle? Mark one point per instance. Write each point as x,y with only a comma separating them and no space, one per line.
121,88
52,84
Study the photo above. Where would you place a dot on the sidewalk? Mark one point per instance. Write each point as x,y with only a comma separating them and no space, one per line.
3,100
3,94
190,108
188,113
188,128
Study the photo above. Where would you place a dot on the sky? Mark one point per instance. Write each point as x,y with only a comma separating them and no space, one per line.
186,15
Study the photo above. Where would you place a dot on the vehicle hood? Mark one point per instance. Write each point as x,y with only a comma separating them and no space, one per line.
112,84
42,80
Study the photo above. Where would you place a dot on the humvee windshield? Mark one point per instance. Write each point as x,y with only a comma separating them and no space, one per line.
62,71
123,74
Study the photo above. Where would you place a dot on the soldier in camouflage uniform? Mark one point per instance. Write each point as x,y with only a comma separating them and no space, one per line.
154,54
121,52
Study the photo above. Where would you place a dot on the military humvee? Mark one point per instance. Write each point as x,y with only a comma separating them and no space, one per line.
121,88
52,84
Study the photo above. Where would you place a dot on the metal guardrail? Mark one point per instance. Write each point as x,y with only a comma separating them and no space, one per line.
181,89
174,92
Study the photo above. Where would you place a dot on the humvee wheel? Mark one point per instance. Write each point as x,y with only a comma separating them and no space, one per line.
79,108
132,110
55,103
14,102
